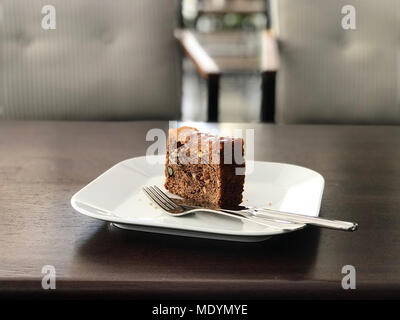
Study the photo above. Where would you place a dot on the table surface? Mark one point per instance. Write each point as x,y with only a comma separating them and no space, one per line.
42,164
233,51
232,6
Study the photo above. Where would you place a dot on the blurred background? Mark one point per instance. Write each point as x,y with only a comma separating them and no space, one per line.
229,31
279,61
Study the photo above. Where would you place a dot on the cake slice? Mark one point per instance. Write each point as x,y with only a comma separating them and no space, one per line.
204,168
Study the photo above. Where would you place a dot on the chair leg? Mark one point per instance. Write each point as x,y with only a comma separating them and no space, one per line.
213,97
268,82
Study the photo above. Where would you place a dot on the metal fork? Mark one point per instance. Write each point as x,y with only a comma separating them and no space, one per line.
273,216
178,210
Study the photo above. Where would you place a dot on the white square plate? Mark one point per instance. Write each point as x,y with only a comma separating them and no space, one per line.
116,196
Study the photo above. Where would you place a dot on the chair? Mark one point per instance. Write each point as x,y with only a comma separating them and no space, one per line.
224,53
106,60
331,75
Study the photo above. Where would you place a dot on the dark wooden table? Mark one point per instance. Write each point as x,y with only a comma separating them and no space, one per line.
42,164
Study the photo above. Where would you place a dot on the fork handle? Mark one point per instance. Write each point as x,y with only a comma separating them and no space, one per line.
316,221
248,217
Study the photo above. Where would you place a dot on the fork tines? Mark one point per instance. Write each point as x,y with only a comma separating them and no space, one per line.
160,198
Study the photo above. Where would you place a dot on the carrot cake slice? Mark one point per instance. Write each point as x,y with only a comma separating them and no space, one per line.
205,168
